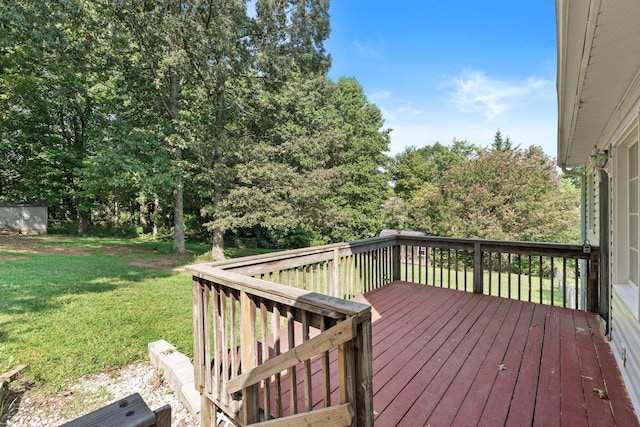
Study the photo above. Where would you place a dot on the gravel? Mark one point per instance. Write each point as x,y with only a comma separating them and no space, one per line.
95,391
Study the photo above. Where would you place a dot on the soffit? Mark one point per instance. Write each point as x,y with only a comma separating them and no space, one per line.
598,59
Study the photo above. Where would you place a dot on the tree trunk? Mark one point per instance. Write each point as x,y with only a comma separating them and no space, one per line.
143,212
156,216
83,222
178,219
178,214
217,248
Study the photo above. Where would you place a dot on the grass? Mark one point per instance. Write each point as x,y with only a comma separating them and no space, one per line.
71,306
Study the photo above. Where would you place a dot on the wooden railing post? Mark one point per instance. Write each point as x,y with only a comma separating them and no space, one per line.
478,274
364,374
249,357
396,261
592,283
334,274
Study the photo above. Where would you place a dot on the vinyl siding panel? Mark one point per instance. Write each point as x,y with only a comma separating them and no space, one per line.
625,330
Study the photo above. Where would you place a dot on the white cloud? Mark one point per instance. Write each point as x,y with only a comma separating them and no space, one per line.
379,95
367,51
475,92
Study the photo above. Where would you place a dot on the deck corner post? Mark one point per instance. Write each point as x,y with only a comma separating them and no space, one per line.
478,276
207,411
364,374
593,274
363,404
396,261
199,336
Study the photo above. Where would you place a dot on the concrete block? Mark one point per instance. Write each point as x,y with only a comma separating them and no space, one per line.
180,375
177,370
190,398
158,347
167,361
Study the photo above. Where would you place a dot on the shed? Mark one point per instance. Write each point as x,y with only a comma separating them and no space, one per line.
24,217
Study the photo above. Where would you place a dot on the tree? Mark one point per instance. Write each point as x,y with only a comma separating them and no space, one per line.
502,144
364,160
415,167
510,195
313,173
55,100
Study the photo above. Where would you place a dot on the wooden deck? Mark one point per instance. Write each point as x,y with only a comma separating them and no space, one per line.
444,357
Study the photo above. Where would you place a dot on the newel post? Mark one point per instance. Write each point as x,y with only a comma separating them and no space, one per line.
396,261
592,282
478,276
364,373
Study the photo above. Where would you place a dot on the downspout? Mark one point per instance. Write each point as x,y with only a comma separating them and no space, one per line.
583,222
583,199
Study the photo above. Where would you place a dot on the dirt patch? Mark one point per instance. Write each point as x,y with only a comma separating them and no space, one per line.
159,264
10,258
13,246
30,245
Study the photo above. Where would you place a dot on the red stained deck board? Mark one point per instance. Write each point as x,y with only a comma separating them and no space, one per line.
572,397
499,398
547,409
431,359
523,400
461,388
458,342
598,410
408,348
621,406
475,344
470,412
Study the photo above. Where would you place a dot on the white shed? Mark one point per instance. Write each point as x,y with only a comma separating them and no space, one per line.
24,217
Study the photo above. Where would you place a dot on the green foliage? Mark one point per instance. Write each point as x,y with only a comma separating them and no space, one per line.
509,195
415,167
164,115
502,144
310,174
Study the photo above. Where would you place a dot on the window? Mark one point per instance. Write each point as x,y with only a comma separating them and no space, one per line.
633,213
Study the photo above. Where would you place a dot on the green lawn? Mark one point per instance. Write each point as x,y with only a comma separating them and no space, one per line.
494,283
70,306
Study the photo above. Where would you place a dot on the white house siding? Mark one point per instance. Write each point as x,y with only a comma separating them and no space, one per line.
624,312
625,331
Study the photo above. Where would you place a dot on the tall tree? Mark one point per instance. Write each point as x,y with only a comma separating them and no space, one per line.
153,27
364,158
55,104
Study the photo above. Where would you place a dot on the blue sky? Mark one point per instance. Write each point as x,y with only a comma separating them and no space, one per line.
444,69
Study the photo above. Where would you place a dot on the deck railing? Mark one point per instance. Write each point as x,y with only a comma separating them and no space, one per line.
254,339
546,273
272,330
